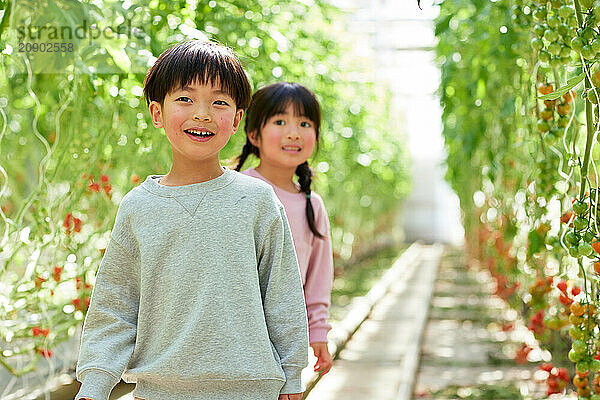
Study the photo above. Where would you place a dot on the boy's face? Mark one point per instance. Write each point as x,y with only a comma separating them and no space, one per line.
198,120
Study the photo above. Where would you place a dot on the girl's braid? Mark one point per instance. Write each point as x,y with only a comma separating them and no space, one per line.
248,149
304,179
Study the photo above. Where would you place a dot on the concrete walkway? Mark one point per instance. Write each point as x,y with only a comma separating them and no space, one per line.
380,360
463,343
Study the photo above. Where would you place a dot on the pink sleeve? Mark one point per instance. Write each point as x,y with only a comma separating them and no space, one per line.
319,278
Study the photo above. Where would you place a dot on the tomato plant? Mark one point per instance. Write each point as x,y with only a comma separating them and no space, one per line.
519,91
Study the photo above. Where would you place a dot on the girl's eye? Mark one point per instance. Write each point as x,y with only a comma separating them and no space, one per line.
184,98
280,122
305,124
221,103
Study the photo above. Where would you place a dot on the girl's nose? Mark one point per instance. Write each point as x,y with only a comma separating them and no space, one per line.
293,134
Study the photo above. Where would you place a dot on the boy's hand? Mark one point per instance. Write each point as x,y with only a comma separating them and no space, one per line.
293,396
324,359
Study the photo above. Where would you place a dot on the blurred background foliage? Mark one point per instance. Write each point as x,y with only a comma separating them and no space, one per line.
75,136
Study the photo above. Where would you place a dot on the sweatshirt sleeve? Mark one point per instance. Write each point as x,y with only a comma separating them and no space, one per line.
109,331
283,301
319,280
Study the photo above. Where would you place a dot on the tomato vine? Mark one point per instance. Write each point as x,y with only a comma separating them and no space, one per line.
520,108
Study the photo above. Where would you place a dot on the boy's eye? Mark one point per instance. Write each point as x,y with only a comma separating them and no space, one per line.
221,103
183,98
305,124
279,122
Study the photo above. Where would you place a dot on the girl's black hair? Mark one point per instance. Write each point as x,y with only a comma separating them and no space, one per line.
272,100
197,60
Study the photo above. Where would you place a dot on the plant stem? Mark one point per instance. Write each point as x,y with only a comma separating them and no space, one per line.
588,141
537,114
589,119
589,329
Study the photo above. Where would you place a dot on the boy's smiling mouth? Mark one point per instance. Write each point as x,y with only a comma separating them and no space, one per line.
199,134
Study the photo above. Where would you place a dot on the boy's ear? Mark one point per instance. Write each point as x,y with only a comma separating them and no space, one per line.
237,119
156,114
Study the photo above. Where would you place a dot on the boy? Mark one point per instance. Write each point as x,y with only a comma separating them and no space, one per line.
199,294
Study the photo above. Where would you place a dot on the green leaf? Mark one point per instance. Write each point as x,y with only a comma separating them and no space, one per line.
535,242
118,54
571,83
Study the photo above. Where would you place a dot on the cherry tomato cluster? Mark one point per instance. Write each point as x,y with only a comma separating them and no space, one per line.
584,388
536,324
586,42
564,297
582,237
82,302
557,380
46,353
561,319
504,289
554,117
95,186
522,353
38,331
582,241
584,347
555,29
71,222
539,290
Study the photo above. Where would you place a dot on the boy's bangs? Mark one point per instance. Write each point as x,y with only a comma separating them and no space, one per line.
210,70
201,62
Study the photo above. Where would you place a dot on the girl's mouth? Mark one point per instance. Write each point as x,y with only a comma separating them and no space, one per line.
291,148
199,136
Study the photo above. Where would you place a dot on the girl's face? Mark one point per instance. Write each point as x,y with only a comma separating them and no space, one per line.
286,140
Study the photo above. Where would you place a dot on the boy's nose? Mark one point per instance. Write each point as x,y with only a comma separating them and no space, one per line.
202,114
202,117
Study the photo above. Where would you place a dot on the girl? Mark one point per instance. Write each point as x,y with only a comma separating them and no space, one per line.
282,129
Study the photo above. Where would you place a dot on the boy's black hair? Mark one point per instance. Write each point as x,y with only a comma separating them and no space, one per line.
272,100
197,60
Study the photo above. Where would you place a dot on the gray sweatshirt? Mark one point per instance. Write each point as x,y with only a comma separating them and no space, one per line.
199,283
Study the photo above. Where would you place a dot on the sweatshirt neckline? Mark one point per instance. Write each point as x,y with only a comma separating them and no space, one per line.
151,185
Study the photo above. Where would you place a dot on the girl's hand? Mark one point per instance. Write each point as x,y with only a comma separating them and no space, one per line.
293,396
324,359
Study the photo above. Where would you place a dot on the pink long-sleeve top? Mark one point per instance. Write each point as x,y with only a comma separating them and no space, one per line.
314,255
